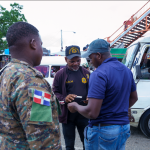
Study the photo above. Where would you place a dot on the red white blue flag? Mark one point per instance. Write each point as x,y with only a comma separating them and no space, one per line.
41,97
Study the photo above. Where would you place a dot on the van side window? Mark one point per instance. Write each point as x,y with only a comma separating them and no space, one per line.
43,69
145,64
54,69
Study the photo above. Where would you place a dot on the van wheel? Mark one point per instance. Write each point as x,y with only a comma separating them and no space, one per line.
145,123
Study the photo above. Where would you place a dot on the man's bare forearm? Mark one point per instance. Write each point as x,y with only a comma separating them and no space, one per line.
133,98
83,110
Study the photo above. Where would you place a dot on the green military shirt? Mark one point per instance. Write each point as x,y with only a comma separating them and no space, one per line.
24,124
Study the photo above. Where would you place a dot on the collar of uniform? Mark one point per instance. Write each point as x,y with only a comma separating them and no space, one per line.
110,59
68,70
38,73
18,61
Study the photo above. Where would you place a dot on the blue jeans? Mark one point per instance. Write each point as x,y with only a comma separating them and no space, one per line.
107,137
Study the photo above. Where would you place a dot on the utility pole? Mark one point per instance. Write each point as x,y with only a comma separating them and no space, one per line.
62,39
61,42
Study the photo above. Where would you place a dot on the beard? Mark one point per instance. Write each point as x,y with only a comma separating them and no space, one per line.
74,69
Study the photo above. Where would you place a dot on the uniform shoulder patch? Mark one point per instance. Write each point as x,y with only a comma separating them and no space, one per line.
40,97
41,106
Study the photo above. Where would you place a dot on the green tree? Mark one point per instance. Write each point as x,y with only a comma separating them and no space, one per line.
7,18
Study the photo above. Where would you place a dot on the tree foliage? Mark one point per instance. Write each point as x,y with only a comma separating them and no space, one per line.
7,18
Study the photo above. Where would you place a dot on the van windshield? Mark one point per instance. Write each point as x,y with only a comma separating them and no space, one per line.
43,69
130,55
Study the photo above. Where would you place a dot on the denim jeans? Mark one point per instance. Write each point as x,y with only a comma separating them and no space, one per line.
106,137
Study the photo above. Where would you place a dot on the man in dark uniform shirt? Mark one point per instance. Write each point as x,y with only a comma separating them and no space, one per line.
71,84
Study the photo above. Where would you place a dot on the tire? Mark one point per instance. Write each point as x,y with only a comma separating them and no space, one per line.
145,123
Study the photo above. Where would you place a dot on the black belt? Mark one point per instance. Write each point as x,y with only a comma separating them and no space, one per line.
102,125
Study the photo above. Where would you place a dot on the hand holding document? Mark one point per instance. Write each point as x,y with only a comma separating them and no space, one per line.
69,98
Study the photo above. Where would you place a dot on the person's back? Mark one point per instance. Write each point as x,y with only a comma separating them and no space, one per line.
118,79
17,80
28,109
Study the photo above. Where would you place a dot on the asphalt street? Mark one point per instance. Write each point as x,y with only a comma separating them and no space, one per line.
137,141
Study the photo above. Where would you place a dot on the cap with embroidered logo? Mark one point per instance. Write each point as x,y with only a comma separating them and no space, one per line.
72,51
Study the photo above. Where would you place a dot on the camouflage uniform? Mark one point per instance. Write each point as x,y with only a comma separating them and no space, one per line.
18,129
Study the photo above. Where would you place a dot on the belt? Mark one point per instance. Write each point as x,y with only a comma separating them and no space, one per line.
102,125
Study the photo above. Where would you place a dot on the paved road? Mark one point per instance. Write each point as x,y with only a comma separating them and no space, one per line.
137,141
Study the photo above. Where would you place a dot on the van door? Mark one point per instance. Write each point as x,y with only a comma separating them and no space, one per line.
143,84
141,109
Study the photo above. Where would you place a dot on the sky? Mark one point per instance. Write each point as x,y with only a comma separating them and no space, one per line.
89,19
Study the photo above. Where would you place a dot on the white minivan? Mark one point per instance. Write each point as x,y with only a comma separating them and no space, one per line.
51,64
137,58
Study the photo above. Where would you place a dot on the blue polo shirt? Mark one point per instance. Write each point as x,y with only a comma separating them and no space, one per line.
113,82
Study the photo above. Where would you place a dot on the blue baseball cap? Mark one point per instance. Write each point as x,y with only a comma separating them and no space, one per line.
98,45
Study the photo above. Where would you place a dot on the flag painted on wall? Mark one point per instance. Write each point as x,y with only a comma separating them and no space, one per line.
41,97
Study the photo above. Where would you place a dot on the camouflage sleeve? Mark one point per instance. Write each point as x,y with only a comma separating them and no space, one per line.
39,121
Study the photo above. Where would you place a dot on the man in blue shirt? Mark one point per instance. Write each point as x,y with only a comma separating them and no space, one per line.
112,91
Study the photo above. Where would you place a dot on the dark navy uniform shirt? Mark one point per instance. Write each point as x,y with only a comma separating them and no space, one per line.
76,83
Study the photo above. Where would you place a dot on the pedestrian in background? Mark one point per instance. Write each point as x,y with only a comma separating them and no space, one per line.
86,66
112,91
28,111
84,49
70,82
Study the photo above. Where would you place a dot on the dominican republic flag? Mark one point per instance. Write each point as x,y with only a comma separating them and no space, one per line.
41,97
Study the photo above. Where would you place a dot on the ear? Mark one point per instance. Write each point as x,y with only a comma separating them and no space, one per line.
33,44
99,56
66,59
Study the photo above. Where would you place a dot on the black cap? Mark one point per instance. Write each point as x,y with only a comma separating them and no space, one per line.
72,51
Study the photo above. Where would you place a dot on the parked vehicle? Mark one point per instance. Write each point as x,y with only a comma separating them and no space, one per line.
137,58
51,64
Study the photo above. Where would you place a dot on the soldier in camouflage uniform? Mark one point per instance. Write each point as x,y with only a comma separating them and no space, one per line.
27,122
